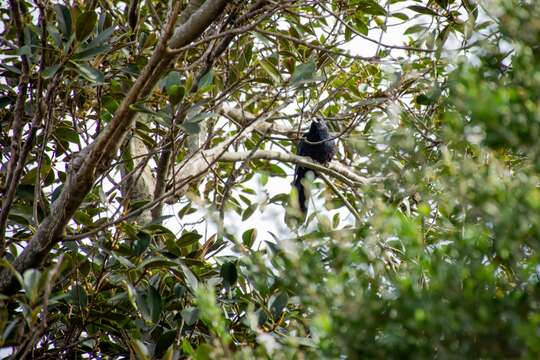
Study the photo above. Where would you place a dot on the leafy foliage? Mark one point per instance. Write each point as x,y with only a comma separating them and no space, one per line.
427,245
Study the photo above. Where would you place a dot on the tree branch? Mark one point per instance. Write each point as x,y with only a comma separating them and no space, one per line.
334,169
92,160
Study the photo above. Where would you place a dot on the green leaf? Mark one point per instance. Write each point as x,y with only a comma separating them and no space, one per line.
414,29
423,10
67,134
140,107
191,125
5,101
187,348
63,16
31,280
25,51
277,171
132,294
110,104
248,237
130,230
141,243
83,218
165,340
49,71
303,73
11,69
172,78
442,3
188,239
206,80
361,26
200,117
248,53
190,315
229,274
278,303
271,70
86,22
249,211
90,53
149,304
140,349
156,263
176,93
335,220
191,279
154,303
191,128
373,8
471,6
186,210
55,34
171,353
21,214
401,16
78,296
89,73
171,246
203,352
101,37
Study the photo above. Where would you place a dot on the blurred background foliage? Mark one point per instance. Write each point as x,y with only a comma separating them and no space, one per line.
442,262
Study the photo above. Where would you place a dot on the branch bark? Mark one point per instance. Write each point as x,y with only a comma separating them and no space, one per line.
95,158
334,169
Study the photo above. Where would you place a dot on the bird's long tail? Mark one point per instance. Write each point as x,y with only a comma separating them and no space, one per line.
298,177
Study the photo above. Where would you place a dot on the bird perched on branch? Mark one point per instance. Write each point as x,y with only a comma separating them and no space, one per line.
316,144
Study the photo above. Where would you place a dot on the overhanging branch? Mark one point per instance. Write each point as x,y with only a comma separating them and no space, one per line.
333,169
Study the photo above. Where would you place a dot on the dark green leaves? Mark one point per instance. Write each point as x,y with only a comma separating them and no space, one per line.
149,304
49,72
86,22
172,83
63,16
278,302
67,134
205,81
414,29
89,73
371,7
303,73
101,38
176,93
31,284
141,243
229,274
188,239
91,52
191,124
442,3
190,315
78,296
423,10
271,70
248,237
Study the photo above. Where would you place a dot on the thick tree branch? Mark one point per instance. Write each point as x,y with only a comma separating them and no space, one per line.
97,156
8,188
202,162
197,23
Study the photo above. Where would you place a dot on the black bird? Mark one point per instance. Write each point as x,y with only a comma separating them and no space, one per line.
316,148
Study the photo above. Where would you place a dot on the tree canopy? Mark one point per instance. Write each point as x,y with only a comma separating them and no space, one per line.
140,137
